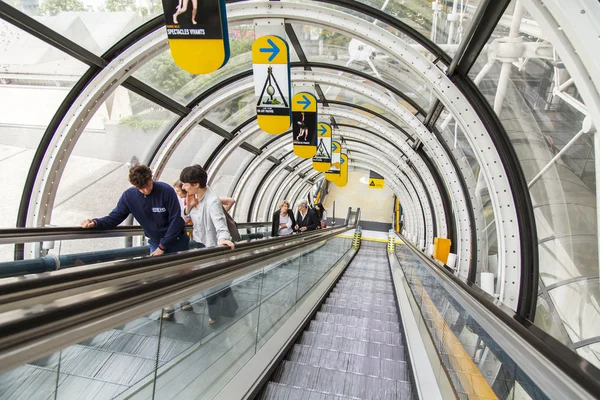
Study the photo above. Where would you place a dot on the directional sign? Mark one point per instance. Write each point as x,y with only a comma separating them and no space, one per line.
376,181
322,160
304,122
342,179
198,38
271,67
335,169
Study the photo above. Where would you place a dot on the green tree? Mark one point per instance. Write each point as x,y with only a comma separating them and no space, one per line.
53,7
120,5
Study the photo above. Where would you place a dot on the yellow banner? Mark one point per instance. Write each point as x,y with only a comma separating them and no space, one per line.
198,37
304,120
322,160
270,59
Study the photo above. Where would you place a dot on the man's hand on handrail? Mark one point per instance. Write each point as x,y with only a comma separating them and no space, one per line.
88,223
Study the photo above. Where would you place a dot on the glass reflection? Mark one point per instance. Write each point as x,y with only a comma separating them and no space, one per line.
93,24
541,111
34,80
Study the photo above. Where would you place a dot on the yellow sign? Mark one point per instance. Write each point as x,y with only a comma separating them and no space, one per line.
199,40
334,170
375,183
342,179
304,120
322,160
271,68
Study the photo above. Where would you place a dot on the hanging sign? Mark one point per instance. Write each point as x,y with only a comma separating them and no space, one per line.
376,181
271,67
198,38
322,160
304,120
334,170
342,179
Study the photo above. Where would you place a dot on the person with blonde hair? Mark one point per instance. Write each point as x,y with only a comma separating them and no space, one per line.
283,220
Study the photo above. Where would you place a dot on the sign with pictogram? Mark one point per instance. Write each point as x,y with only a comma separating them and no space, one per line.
271,68
304,122
334,170
376,181
198,37
322,160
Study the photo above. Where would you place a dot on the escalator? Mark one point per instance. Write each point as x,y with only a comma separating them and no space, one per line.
354,346
318,316
123,361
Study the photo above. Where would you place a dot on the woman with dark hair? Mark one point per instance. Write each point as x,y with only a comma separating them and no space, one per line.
321,215
283,220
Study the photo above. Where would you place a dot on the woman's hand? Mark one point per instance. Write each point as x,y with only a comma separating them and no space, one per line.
191,200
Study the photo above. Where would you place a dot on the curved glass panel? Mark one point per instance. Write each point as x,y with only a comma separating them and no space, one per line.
195,148
232,113
577,305
35,78
94,25
542,113
443,22
245,198
324,46
164,75
228,176
120,133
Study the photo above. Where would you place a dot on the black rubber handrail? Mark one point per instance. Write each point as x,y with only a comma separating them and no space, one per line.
28,235
572,364
23,330
24,287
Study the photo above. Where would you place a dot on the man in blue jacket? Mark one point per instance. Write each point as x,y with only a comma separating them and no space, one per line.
155,206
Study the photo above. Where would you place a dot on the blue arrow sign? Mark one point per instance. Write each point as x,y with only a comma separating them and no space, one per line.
306,102
322,130
334,147
342,160
274,50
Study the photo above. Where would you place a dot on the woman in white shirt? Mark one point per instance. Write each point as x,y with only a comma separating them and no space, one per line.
283,220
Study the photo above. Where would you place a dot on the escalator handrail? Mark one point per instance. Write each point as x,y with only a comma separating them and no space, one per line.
43,234
581,371
23,287
50,327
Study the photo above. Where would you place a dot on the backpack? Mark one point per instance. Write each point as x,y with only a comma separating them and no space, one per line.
232,227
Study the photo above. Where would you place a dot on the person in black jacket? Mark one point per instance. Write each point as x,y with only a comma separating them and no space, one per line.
283,220
306,219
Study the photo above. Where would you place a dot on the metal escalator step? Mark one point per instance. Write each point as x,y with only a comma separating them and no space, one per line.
298,375
351,332
352,312
276,391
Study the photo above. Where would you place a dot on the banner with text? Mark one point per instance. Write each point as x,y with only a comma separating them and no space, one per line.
198,38
322,160
304,120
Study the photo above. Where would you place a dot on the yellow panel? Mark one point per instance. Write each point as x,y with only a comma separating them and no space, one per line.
198,56
321,166
299,102
305,151
441,249
274,124
375,183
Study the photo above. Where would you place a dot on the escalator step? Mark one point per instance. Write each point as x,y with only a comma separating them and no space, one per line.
276,391
340,383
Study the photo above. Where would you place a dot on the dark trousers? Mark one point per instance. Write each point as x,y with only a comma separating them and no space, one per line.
181,244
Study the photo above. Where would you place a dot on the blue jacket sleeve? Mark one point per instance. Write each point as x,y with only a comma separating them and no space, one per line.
176,223
116,216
